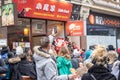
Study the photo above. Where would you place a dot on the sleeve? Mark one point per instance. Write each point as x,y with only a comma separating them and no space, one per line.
86,77
67,62
58,62
50,71
3,68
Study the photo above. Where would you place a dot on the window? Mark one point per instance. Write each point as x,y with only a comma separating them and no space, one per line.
100,30
75,12
55,28
38,27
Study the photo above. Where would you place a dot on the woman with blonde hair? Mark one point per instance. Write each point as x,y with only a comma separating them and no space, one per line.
112,56
63,61
99,70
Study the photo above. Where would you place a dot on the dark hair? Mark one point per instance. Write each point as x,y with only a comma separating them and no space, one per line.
92,47
83,49
44,42
4,50
110,47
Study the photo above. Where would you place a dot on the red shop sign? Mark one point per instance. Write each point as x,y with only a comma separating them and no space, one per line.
75,28
44,9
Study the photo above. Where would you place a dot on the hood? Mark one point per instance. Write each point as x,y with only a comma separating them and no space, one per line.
98,69
14,60
116,64
39,52
101,72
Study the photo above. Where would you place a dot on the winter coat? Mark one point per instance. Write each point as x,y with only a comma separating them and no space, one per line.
75,62
88,54
3,68
4,56
98,72
21,68
116,69
63,65
27,69
45,66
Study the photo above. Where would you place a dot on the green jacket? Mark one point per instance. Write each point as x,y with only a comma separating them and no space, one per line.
63,65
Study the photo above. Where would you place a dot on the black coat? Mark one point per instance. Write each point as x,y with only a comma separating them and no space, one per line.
75,62
23,68
27,69
99,72
3,68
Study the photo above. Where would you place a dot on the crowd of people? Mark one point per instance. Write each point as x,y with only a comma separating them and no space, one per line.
68,62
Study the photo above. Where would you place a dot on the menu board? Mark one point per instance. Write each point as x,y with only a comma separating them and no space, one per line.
22,44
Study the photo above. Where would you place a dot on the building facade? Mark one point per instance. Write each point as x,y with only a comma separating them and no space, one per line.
102,22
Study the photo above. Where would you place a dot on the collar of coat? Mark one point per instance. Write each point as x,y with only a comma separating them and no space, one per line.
98,69
41,53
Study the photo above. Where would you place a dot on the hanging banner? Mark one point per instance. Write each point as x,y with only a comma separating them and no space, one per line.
103,19
75,28
9,15
45,9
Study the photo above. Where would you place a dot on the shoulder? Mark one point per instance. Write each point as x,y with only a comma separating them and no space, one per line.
87,77
39,52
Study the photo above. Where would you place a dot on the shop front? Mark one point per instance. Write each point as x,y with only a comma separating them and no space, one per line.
103,29
39,19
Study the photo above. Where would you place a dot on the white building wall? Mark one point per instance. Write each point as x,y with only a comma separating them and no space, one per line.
101,40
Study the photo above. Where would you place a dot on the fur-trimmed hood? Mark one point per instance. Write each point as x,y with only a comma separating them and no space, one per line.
14,60
39,51
116,64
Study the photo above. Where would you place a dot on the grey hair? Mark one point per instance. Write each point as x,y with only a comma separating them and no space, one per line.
44,42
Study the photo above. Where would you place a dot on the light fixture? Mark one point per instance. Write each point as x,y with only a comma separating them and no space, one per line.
26,31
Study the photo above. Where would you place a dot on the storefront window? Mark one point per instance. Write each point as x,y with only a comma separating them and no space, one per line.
100,30
16,34
38,27
55,28
75,12
38,30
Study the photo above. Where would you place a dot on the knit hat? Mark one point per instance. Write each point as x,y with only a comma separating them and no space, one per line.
111,47
19,50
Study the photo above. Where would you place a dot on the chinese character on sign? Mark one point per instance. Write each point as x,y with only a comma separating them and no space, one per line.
52,8
46,7
39,6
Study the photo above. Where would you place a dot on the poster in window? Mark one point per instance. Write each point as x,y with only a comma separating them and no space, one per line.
39,29
3,42
9,14
22,44
15,45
